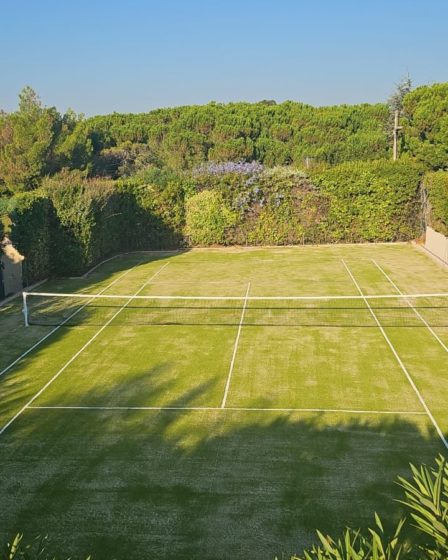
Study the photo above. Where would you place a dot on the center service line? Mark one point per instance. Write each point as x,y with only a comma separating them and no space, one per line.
235,348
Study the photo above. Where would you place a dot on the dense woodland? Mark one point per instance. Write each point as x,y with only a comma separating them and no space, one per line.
75,190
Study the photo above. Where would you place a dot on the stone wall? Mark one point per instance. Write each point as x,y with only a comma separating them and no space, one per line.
11,273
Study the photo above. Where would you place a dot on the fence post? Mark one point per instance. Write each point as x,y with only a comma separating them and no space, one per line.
25,309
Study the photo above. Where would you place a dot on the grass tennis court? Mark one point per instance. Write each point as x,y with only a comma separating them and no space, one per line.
219,434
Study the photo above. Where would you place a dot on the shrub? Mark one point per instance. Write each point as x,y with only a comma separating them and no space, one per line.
436,185
284,208
74,222
20,549
208,218
351,202
31,215
371,201
426,497
159,202
88,225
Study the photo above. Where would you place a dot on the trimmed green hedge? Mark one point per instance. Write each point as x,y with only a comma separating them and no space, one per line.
31,233
436,185
208,219
73,223
371,201
351,202
155,201
88,222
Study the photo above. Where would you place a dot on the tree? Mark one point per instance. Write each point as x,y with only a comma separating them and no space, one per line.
26,140
425,125
73,147
29,101
396,99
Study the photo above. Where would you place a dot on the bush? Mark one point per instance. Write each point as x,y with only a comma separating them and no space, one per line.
31,216
20,549
436,185
351,202
426,497
371,201
74,222
208,218
88,225
159,199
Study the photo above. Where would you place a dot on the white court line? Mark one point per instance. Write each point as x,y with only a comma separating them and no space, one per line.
419,315
73,358
401,364
231,408
12,364
235,349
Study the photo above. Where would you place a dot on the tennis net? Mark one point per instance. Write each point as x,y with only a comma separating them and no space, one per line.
412,310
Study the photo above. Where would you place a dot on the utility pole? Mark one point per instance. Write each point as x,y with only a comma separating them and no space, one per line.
397,129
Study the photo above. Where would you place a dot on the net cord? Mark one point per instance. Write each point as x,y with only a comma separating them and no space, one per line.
238,298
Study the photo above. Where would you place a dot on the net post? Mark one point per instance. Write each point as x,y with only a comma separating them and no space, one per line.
25,308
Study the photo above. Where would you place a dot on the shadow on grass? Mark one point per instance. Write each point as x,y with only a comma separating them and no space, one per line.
199,484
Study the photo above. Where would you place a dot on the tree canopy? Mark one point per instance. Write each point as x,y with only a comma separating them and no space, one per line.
237,173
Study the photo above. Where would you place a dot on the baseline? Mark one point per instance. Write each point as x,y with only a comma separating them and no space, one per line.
230,408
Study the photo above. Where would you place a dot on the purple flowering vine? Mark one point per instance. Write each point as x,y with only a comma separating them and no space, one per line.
226,167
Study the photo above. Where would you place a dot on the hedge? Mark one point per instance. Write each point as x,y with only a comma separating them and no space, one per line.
31,218
351,202
88,222
73,223
371,201
208,218
436,185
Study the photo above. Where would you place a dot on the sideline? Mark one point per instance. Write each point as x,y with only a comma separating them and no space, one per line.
401,364
36,344
86,345
419,315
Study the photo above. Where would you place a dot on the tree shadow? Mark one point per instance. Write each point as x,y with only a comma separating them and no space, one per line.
200,483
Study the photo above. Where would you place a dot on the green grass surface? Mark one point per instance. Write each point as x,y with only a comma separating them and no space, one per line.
182,477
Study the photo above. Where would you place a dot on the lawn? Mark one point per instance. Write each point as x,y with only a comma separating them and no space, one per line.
220,434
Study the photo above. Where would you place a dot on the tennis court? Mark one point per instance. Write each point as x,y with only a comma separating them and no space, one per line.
224,402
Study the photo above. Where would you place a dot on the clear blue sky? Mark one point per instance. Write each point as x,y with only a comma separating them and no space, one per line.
99,56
